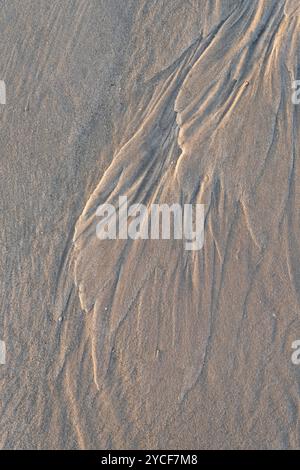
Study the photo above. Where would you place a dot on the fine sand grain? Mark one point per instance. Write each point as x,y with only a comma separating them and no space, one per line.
141,344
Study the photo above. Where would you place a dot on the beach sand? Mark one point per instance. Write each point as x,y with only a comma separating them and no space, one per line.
123,344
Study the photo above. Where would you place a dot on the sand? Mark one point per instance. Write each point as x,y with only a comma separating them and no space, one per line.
123,344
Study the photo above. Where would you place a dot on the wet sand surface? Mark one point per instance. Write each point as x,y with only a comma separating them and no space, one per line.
141,344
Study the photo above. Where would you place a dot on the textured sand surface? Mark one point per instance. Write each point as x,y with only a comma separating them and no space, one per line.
141,344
